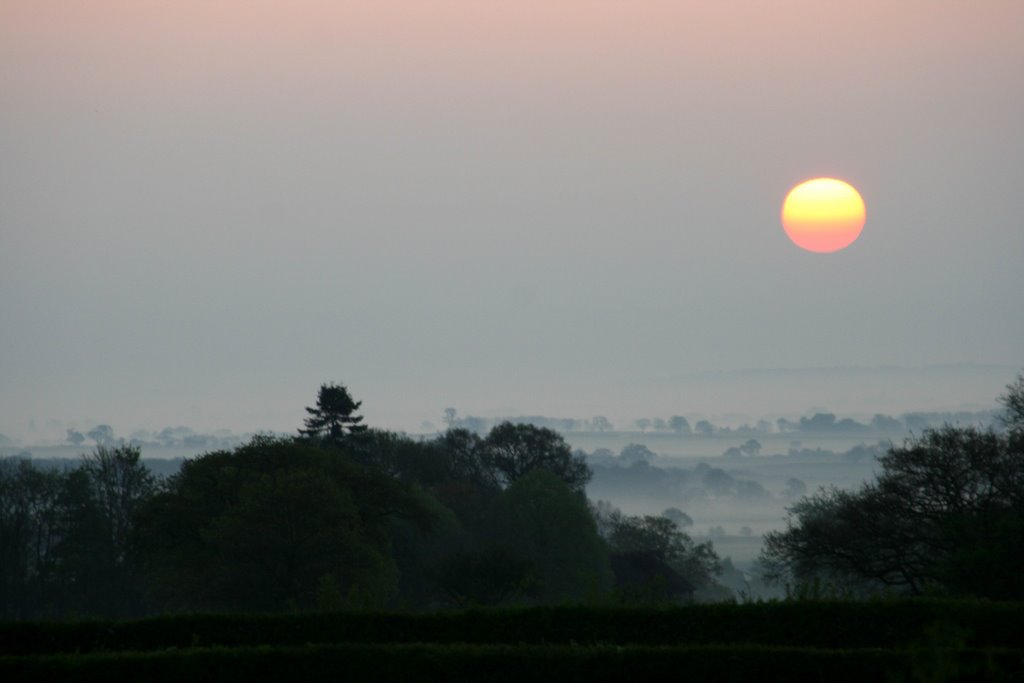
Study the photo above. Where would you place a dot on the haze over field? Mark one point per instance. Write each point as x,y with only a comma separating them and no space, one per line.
570,209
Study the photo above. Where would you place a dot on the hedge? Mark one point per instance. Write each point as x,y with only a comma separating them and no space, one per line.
369,662
832,625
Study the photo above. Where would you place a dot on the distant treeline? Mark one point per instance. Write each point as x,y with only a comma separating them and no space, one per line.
634,454
818,424
168,437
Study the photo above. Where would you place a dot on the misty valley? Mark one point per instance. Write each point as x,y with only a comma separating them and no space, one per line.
732,484
566,538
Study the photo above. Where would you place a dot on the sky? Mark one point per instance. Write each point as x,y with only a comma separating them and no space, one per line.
209,208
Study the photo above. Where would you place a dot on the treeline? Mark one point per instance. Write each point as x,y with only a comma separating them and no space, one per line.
818,424
340,516
680,485
168,437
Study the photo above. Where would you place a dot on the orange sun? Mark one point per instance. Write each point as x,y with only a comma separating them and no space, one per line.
823,215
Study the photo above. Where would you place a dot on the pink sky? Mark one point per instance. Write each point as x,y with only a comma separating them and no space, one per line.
521,206
407,50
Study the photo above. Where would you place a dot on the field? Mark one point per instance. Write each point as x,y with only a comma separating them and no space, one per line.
834,641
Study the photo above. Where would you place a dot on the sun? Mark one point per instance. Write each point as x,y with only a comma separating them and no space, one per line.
823,215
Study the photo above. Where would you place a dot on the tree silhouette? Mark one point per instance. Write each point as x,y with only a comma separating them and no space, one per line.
515,450
679,425
332,419
946,513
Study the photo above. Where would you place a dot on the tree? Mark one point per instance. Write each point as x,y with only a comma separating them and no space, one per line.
785,426
541,520
75,438
751,448
601,423
514,450
332,420
450,417
678,517
86,577
884,423
121,484
704,428
663,539
642,423
946,513
1012,418
819,422
635,452
273,524
28,531
679,424
55,547
101,434
469,458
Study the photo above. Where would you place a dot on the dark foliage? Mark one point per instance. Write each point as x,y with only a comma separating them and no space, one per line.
812,624
514,450
64,535
946,514
461,662
653,559
265,526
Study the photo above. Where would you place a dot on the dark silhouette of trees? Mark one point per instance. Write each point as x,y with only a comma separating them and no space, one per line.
514,450
654,559
946,513
332,420
121,483
28,520
64,536
339,517
547,524
490,576
271,524
1013,416
469,459
118,485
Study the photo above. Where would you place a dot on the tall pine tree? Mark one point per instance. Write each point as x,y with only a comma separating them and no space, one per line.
332,420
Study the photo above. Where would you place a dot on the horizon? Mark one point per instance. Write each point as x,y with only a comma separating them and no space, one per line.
50,432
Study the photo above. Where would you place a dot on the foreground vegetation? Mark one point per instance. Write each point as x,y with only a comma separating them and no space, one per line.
872,640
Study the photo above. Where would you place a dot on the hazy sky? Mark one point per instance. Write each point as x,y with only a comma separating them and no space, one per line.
207,208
